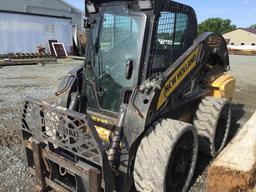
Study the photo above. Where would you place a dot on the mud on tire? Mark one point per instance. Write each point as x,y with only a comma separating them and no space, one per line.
166,157
212,121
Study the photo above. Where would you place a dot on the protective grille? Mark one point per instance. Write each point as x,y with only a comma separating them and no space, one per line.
63,128
174,34
117,28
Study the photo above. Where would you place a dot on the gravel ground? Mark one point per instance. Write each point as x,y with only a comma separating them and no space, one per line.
18,82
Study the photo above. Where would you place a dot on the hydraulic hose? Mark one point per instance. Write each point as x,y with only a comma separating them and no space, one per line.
114,151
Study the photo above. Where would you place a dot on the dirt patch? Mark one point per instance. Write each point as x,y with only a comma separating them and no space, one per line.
234,180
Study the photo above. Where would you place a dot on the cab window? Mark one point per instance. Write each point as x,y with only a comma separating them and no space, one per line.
170,42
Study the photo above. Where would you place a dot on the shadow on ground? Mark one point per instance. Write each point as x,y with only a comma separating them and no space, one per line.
238,112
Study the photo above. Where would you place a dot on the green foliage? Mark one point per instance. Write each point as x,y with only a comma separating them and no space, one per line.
217,25
253,26
166,36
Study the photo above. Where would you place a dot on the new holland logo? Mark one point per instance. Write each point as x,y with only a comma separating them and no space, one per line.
177,77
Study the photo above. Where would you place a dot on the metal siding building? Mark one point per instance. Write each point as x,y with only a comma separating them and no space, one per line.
26,24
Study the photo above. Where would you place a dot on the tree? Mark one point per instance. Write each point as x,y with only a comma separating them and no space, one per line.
217,25
253,26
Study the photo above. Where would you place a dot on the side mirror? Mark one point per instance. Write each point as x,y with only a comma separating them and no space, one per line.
129,69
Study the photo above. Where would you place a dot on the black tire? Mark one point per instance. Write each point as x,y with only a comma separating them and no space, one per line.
166,157
212,122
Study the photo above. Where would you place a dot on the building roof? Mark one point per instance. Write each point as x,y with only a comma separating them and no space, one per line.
73,7
250,30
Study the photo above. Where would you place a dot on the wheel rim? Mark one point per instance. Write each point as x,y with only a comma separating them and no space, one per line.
180,163
221,129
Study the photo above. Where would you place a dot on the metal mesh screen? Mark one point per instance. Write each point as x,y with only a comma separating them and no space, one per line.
117,28
173,36
107,34
163,44
63,128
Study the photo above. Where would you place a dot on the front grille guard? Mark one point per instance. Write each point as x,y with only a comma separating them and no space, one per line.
63,128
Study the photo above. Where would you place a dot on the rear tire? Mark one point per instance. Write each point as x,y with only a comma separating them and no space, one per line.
166,157
212,121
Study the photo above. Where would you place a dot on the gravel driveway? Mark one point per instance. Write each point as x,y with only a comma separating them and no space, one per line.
18,82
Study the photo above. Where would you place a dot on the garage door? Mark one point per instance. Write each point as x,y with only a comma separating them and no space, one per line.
23,33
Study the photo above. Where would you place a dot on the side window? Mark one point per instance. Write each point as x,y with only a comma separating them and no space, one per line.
107,37
180,28
170,42
165,30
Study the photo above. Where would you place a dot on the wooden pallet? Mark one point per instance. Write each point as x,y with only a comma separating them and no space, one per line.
10,62
242,52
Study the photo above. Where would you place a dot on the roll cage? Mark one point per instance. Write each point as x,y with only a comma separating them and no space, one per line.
170,30
154,19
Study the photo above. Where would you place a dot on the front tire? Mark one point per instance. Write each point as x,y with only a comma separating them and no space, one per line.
166,157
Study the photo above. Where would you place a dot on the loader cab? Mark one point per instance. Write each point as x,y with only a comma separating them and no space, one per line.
129,42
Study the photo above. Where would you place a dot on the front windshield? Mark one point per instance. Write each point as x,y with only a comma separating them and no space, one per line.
118,39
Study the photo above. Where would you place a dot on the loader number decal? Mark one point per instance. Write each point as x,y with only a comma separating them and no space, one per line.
178,77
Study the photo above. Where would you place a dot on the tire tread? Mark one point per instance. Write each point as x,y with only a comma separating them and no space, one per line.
206,121
153,154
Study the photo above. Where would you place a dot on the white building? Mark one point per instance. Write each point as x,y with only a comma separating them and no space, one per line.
27,24
243,38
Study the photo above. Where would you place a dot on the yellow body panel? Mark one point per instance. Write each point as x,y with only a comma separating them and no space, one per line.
224,87
103,133
99,120
177,77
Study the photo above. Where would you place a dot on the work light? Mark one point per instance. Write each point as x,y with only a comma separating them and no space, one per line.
145,4
90,7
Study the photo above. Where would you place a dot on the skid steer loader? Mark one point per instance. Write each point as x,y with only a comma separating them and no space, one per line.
150,94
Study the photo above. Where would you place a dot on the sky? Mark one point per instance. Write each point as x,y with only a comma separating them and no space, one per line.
241,12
